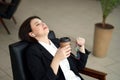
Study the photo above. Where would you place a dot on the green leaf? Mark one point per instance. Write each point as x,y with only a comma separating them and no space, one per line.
108,6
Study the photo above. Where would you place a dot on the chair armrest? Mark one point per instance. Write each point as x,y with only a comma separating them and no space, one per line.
94,73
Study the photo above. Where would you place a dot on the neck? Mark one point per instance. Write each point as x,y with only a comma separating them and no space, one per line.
43,39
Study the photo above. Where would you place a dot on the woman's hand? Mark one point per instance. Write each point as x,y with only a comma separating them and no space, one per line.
81,43
63,52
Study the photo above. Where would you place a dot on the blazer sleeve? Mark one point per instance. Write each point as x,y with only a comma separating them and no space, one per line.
36,66
81,59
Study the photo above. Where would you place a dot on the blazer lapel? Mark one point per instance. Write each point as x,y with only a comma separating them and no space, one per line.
45,52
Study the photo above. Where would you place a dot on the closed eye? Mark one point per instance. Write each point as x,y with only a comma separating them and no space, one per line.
38,24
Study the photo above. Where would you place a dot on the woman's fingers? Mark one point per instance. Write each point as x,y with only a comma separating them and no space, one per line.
67,49
80,41
63,53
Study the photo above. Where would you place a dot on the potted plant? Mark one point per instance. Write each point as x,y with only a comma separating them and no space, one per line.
103,30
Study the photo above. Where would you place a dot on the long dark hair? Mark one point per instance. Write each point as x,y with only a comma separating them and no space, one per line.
25,28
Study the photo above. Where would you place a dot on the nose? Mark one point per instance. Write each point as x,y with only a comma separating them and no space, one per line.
43,24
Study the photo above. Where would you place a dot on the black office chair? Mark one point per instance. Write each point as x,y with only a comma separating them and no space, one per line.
7,11
18,64
20,72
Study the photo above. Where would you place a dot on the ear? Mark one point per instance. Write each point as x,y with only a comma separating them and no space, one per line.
31,34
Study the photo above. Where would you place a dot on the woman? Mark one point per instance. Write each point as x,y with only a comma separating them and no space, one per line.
45,59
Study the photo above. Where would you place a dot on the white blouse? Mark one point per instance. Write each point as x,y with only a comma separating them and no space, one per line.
64,64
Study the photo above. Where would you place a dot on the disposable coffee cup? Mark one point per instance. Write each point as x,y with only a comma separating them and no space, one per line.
64,41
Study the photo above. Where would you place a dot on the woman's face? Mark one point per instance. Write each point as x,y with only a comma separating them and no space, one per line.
39,28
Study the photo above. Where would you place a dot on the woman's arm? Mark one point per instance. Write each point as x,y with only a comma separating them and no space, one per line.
39,66
81,62
61,54
81,53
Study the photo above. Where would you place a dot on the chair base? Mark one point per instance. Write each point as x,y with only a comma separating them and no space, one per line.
4,25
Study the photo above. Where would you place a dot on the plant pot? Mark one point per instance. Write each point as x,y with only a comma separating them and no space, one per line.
102,38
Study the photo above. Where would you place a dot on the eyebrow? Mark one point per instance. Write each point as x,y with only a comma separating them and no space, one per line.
37,22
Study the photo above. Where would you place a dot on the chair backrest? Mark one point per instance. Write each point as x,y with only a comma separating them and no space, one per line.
11,8
17,62
3,8
17,51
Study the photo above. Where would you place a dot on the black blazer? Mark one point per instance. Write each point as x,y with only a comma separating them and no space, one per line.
39,60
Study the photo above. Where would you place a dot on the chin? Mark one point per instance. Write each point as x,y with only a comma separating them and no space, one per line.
47,31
